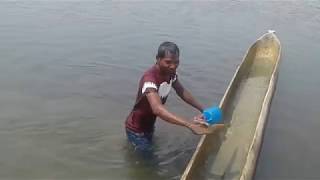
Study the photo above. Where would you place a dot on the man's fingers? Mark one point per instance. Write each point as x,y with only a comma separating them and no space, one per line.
201,128
214,128
220,126
202,123
199,117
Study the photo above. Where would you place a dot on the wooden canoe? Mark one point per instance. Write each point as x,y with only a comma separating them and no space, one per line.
232,153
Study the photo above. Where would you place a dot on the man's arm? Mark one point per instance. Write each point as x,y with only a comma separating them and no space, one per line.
159,110
186,95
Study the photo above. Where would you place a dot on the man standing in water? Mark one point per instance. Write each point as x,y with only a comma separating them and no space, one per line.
154,88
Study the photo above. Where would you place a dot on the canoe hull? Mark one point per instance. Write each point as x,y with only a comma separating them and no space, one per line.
232,154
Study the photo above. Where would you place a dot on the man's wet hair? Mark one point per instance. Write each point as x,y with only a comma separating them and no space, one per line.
167,48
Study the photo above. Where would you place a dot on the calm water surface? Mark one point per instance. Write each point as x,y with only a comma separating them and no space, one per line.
69,73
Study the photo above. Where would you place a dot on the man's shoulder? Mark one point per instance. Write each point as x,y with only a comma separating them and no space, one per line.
150,73
151,70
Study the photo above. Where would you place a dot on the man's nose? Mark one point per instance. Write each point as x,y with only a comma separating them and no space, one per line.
173,66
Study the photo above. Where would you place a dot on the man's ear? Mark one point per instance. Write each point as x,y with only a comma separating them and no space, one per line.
157,60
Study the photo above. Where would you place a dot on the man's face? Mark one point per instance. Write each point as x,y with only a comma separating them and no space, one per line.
169,64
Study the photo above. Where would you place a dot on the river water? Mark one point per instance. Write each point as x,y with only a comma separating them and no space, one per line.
69,73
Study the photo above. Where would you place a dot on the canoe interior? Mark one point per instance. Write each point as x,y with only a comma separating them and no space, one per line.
223,155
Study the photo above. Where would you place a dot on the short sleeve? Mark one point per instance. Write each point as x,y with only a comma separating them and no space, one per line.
148,81
147,85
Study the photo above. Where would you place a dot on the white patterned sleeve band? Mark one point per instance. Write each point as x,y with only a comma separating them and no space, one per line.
147,85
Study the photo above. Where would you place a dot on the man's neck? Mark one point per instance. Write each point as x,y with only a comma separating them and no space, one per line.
161,73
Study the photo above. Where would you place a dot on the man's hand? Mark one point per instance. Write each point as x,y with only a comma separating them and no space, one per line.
199,119
200,129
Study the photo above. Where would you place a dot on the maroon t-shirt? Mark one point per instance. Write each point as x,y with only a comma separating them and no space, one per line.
141,119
